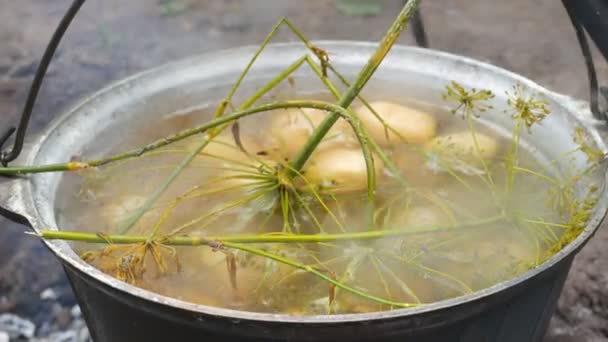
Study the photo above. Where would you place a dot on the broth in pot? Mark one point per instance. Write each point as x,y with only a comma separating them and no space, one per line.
458,207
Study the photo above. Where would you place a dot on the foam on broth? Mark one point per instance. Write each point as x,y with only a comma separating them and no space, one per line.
441,256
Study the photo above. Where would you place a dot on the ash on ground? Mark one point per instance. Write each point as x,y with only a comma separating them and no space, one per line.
61,324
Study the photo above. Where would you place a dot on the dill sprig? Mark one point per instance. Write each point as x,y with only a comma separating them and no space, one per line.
470,101
594,155
527,108
580,215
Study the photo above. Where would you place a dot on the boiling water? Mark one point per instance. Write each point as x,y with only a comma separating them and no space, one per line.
449,234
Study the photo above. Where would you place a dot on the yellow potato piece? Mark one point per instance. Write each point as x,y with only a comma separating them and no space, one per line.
291,128
235,164
213,263
408,125
223,149
340,169
423,218
250,270
124,206
412,166
461,145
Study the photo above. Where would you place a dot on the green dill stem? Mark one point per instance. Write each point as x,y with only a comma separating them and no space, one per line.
318,197
353,121
512,156
61,167
353,91
22,170
326,106
312,270
489,181
362,136
330,86
199,148
545,223
151,200
127,225
387,161
385,45
239,201
536,174
284,198
254,58
263,238
273,83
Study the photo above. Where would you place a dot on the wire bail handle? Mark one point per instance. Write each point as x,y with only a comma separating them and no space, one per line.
417,28
8,156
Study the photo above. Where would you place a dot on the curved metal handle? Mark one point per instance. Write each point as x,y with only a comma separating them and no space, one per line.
577,10
592,14
8,156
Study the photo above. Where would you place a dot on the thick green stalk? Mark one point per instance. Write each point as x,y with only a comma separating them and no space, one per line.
337,95
60,167
262,238
75,166
375,147
353,91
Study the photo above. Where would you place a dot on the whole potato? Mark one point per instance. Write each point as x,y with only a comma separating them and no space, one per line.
291,128
340,169
461,145
422,218
408,125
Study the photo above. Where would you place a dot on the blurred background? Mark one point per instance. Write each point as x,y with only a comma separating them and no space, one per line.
111,39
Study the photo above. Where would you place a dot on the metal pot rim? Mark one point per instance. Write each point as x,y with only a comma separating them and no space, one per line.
65,253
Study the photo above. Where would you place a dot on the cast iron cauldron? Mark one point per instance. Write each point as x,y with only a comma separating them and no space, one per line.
516,310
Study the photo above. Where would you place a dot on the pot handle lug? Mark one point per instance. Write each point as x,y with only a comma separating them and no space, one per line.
12,202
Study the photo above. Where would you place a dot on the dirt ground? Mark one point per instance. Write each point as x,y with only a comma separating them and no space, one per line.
112,39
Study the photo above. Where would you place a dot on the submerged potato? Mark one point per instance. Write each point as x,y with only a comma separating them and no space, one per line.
424,217
413,167
250,274
235,166
484,263
408,125
119,210
418,218
126,205
461,145
213,264
291,128
340,169
224,149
